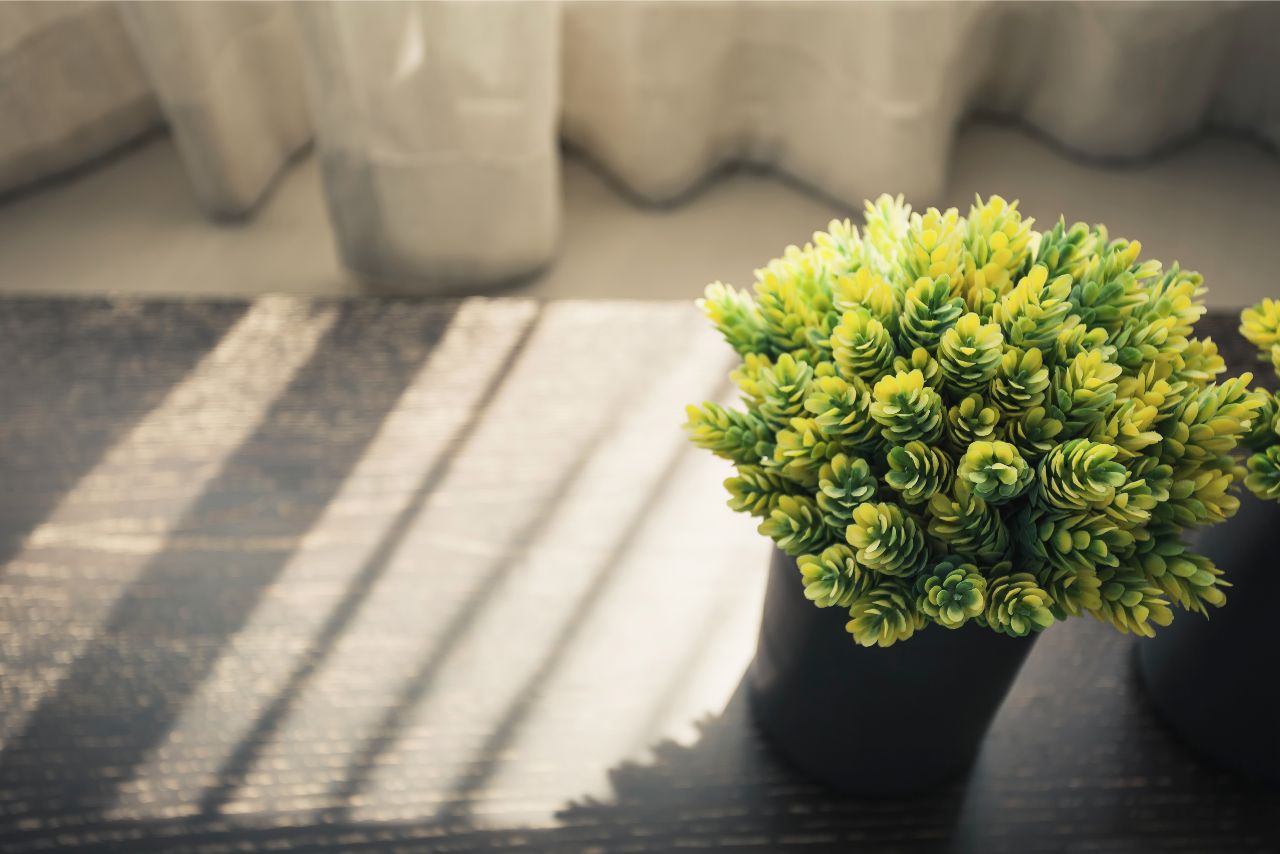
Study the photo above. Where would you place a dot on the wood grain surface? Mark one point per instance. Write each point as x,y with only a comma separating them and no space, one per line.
389,575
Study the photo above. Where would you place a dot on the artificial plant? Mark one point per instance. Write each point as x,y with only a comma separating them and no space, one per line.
952,419
1260,324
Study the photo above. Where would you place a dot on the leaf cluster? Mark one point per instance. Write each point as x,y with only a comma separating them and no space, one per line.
950,419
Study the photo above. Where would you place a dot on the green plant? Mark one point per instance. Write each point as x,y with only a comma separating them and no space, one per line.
1260,324
958,419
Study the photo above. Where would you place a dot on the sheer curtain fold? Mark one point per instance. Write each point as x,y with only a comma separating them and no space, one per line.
436,132
229,78
437,123
71,89
860,98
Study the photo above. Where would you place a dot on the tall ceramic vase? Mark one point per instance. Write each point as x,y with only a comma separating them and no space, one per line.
874,721
1216,682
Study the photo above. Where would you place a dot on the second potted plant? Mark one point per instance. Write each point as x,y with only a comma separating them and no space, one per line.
958,431
1214,682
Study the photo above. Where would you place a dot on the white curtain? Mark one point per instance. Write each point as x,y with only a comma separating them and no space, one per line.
229,78
79,79
437,123
856,99
436,130
71,88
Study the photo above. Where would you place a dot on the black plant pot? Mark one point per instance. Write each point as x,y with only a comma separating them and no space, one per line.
1216,682
874,721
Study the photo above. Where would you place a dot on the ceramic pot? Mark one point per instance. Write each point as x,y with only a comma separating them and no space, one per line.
873,721
1216,682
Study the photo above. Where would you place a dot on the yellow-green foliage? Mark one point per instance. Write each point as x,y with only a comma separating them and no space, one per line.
833,577
957,419
1261,326
994,471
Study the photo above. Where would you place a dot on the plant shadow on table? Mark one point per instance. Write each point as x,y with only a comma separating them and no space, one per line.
1037,784
1076,760
728,790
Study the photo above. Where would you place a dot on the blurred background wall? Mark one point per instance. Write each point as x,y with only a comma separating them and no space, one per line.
609,149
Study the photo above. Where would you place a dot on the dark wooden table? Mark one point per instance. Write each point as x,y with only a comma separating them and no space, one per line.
388,575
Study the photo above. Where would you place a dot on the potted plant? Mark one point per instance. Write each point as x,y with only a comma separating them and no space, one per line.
959,431
1215,682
